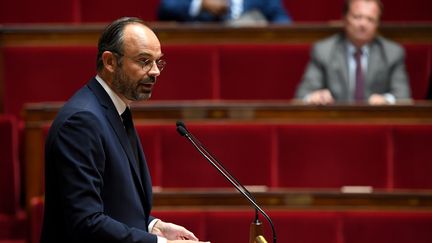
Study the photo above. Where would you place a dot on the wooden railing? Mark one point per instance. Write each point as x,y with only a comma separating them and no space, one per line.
292,199
87,34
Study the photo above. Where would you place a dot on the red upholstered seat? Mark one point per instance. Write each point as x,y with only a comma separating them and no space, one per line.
47,11
75,11
194,72
13,220
296,156
38,74
191,73
245,150
268,72
13,228
229,226
412,157
321,10
55,73
387,227
304,226
9,165
107,11
151,139
399,11
301,226
308,226
419,67
329,156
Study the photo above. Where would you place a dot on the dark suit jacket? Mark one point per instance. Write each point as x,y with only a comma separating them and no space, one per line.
178,10
328,68
95,191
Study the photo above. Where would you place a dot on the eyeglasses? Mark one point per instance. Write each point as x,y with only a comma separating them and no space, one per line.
146,64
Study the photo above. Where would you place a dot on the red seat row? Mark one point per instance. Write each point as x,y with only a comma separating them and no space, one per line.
228,72
311,156
80,11
13,222
385,157
309,226
300,226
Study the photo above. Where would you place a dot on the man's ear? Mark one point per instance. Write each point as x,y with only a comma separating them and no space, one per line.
109,61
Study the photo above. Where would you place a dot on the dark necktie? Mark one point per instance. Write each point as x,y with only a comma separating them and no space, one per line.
130,130
359,77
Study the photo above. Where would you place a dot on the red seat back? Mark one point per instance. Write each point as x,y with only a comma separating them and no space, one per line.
419,67
270,72
191,73
387,227
50,74
412,157
331,156
47,11
107,11
245,150
9,166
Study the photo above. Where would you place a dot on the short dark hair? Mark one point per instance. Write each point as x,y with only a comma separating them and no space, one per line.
111,38
347,6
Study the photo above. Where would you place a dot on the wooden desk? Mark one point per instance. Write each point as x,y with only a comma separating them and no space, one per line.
291,199
41,114
172,33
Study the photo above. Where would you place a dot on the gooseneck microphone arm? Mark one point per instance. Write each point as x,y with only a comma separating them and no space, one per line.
221,166
181,129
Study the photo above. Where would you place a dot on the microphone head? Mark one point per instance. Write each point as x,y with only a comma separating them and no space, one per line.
180,124
182,131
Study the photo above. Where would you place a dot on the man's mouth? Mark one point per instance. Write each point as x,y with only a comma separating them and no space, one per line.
147,87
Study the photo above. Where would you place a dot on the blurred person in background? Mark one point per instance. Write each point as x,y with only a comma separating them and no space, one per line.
234,12
357,65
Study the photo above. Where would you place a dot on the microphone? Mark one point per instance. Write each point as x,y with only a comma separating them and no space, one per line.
183,131
181,128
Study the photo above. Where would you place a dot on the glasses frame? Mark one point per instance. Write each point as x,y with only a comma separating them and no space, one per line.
146,65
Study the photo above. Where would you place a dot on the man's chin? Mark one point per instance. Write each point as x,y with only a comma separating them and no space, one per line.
144,96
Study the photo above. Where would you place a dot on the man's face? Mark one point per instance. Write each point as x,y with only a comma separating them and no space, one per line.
132,78
361,22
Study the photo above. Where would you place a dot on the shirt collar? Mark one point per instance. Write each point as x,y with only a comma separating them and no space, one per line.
118,103
352,49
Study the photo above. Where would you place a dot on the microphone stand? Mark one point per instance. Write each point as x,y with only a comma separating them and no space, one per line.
256,227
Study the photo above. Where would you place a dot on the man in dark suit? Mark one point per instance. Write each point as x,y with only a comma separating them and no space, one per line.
357,65
98,187
223,10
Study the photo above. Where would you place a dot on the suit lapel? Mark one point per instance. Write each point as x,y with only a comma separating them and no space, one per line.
375,63
340,66
117,125
145,174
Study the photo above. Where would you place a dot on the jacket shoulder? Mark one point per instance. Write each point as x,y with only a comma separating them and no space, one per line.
325,48
391,49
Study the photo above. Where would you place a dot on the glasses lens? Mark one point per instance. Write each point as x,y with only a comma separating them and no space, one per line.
160,64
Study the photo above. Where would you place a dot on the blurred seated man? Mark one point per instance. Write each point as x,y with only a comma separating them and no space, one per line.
228,11
357,65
